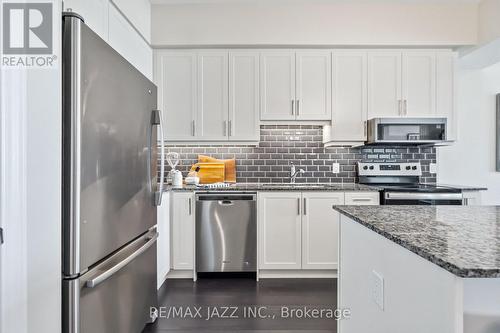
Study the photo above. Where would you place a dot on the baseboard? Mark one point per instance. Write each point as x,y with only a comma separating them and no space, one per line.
297,274
180,274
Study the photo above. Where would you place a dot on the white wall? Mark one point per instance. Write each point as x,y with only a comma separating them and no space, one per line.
314,23
30,205
139,13
471,160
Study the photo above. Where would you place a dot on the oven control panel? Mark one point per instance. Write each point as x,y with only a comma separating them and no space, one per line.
389,169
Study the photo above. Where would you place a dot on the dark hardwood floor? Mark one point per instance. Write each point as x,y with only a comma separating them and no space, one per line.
231,301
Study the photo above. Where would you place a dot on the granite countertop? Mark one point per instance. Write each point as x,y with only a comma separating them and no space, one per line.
278,187
464,187
464,240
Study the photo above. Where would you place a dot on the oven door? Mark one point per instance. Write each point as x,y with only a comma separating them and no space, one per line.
418,198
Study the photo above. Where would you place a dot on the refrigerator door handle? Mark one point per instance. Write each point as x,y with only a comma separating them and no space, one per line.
162,163
158,120
113,270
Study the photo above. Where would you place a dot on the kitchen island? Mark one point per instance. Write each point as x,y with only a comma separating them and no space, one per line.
419,268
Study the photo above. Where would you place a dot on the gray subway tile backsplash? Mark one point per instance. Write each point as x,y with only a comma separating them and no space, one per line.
268,162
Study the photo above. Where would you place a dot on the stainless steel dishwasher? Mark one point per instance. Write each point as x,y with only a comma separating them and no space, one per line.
226,232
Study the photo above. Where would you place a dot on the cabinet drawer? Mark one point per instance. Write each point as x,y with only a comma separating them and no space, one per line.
362,198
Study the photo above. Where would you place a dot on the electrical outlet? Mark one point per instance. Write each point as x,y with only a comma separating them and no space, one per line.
335,167
433,168
377,289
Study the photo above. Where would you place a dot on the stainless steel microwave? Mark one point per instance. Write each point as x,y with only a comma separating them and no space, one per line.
407,131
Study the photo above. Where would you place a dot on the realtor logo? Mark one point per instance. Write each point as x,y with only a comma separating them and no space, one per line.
27,28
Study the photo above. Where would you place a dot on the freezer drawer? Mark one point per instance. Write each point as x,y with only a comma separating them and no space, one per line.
226,233
116,295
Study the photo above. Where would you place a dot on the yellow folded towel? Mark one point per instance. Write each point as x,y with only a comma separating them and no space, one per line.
230,167
210,172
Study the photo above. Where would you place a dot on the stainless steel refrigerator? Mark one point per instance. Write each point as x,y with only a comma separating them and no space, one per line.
110,192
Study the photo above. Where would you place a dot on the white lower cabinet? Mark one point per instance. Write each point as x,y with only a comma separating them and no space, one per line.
279,241
299,230
320,229
183,219
471,198
163,242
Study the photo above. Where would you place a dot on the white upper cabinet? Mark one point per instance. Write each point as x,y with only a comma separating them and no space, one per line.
212,115
110,24
124,39
313,85
176,77
384,84
445,90
277,85
94,13
224,95
244,96
210,95
349,112
419,83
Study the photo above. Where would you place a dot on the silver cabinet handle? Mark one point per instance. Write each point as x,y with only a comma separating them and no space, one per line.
192,128
298,107
230,127
113,270
292,106
305,205
405,107
298,206
365,128
361,199
189,203
224,128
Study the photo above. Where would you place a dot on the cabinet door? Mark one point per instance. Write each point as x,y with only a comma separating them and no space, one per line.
320,230
175,77
163,243
279,230
212,116
277,85
94,12
384,84
362,198
125,39
419,83
243,96
349,112
183,231
445,91
313,85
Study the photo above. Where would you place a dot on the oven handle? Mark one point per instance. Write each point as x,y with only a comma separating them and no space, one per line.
422,196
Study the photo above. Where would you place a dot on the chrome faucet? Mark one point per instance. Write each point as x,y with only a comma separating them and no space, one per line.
294,173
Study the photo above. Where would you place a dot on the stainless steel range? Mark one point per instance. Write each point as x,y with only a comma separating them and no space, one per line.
401,185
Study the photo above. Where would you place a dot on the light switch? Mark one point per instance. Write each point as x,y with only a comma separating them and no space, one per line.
335,167
433,168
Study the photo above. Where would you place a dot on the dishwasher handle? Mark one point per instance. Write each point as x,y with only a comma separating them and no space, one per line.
226,202
226,199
